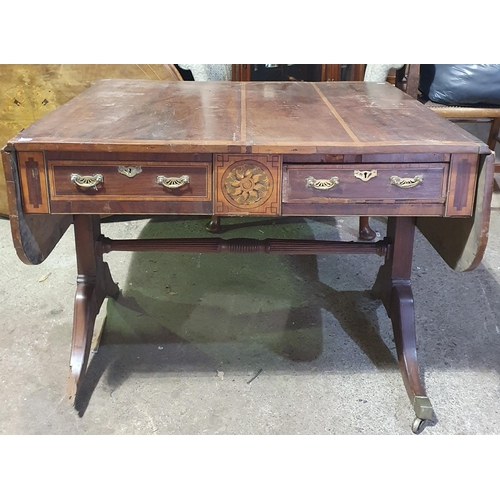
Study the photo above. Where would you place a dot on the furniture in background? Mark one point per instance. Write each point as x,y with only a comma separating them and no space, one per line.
30,91
408,78
298,72
232,149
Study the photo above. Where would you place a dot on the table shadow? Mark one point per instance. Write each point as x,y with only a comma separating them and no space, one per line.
190,312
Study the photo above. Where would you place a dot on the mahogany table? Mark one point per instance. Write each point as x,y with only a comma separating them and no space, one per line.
250,149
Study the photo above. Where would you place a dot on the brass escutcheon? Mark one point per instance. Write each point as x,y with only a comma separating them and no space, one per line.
87,181
322,184
130,170
173,182
365,175
406,182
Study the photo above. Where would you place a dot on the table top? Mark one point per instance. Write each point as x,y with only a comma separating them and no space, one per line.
246,117
296,128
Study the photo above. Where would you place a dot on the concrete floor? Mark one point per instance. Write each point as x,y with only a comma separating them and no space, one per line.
231,344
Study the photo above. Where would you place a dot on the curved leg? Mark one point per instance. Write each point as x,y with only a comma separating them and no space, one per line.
366,233
393,285
83,328
94,284
401,312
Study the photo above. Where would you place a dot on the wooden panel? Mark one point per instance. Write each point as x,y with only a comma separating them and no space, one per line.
33,183
406,158
369,209
461,189
34,235
461,242
124,156
330,72
368,158
381,113
364,182
149,113
241,72
142,187
288,114
123,206
247,184
315,158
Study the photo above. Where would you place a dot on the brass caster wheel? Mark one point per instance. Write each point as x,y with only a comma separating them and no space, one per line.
418,425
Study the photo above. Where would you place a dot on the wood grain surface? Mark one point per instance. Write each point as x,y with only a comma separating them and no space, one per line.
248,117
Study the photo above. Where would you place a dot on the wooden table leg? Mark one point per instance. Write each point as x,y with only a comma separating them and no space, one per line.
94,284
214,225
365,231
393,285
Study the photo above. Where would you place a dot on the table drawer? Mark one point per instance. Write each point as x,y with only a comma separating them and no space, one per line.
365,183
130,181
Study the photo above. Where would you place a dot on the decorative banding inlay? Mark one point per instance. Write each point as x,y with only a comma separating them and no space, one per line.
34,187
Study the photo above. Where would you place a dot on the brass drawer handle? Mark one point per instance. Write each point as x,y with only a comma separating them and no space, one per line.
129,170
365,175
322,184
87,181
173,182
406,182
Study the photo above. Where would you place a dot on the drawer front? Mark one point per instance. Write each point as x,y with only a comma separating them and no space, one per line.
365,183
130,181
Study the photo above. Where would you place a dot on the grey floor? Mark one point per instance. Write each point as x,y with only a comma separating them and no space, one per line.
231,344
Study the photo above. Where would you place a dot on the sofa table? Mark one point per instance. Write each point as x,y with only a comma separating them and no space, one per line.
225,149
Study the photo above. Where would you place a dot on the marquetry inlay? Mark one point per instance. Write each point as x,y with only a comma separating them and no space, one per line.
33,184
248,184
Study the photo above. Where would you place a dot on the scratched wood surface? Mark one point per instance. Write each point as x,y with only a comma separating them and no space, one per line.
30,91
249,117
124,118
